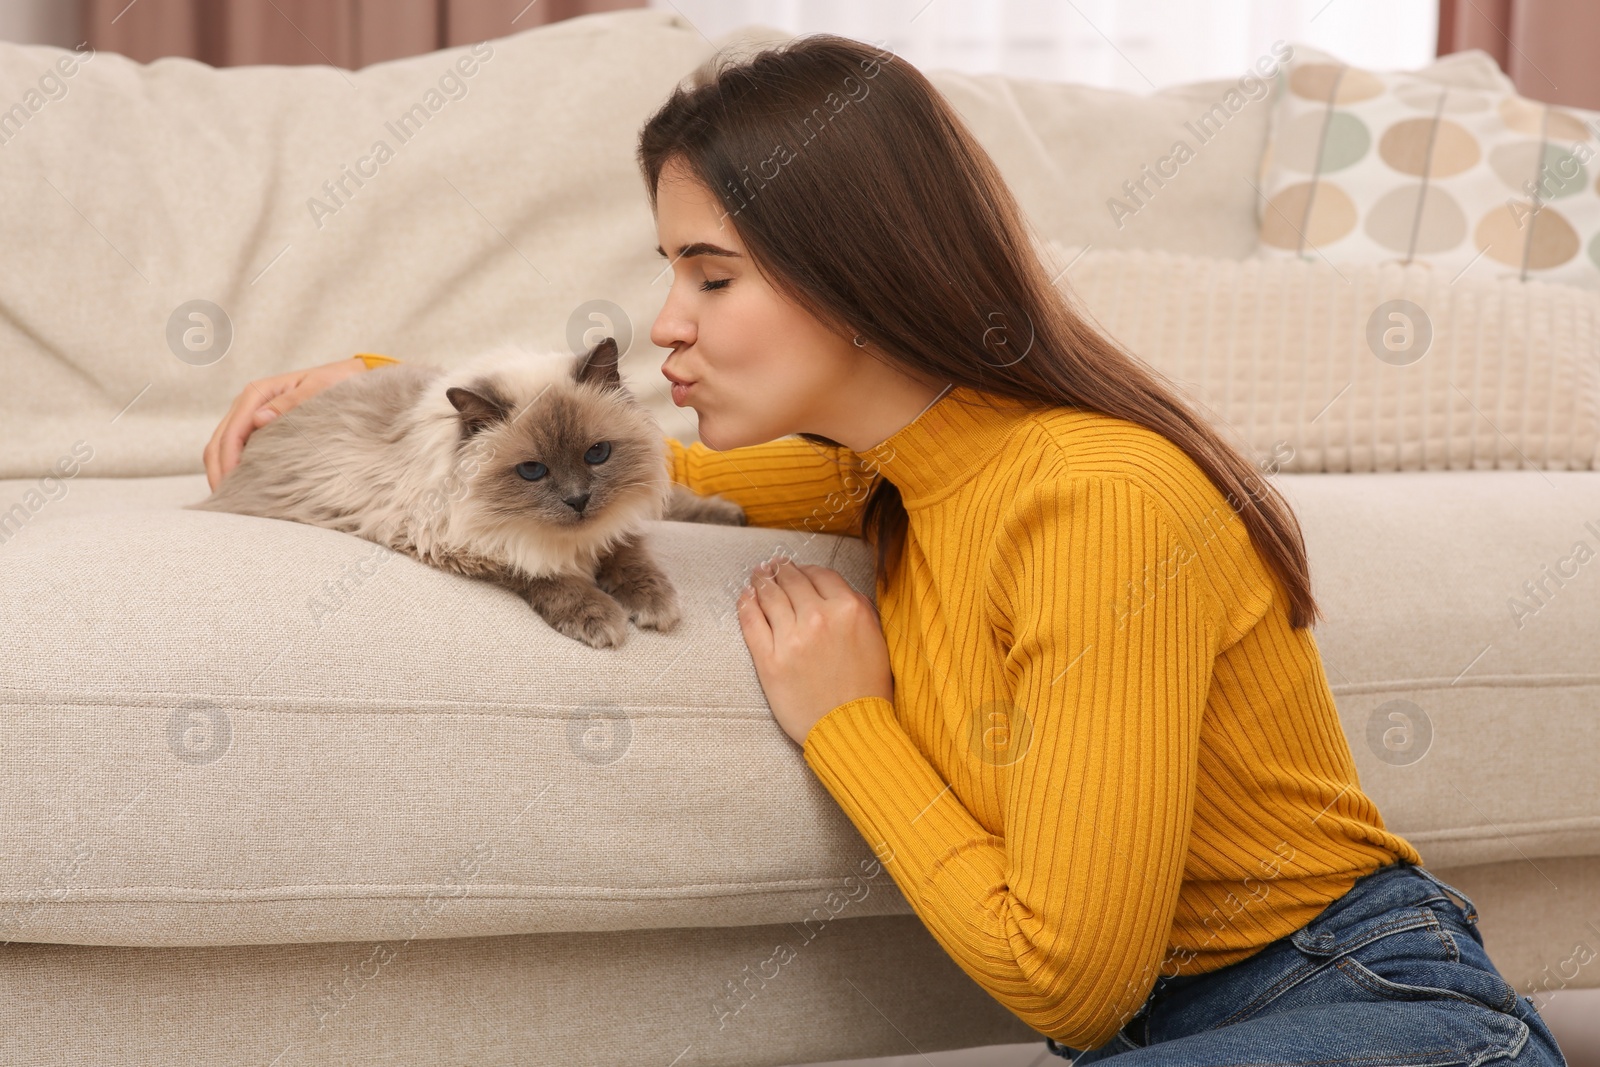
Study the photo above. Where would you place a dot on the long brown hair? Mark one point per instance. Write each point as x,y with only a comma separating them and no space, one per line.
894,224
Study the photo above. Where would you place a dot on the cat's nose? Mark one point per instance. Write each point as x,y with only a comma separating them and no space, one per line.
576,503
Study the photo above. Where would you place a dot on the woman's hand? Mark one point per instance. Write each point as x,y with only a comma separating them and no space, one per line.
816,643
263,400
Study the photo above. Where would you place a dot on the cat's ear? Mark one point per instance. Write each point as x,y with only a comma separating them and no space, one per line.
480,407
599,366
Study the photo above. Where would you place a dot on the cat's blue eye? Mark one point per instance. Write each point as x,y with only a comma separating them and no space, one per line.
531,471
709,285
598,453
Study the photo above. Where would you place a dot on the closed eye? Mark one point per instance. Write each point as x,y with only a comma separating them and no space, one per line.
709,285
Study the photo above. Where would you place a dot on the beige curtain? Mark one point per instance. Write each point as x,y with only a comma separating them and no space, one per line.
345,33
1548,47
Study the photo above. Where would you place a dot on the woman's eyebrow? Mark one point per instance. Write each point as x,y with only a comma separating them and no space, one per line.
699,248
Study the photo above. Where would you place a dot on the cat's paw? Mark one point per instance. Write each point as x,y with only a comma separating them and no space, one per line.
599,622
685,505
658,611
723,512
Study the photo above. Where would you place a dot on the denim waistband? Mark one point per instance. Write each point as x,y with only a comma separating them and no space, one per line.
1398,884
1393,885
1399,898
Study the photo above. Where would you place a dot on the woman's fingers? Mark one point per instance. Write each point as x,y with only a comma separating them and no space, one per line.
827,582
241,420
774,601
262,401
227,440
285,401
211,458
786,590
757,631
797,585
214,448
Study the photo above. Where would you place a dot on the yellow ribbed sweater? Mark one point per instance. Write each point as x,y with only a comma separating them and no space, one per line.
1109,757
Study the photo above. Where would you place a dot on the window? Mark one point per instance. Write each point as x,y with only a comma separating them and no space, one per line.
1134,45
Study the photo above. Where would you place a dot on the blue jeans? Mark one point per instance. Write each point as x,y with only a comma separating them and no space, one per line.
1392,973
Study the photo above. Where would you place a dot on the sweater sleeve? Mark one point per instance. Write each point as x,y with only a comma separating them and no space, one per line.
790,483
1062,912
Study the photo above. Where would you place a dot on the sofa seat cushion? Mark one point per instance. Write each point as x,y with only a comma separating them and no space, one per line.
218,729
1461,619
223,729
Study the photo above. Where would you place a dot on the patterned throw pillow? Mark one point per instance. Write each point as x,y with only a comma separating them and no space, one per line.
1371,167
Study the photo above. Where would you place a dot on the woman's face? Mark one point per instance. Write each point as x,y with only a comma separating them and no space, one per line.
760,366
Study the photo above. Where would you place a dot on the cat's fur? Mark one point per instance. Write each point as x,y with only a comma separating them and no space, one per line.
426,461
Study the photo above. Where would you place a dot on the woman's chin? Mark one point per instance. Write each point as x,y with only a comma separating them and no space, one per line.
713,438
716,435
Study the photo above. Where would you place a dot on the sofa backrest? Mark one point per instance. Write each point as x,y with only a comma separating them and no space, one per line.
1313,368
177,231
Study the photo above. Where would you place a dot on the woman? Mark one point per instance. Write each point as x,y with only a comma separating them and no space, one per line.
1090,736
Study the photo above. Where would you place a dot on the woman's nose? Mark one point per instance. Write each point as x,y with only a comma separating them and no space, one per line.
671,329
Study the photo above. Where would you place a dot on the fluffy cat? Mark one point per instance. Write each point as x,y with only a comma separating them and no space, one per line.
532,471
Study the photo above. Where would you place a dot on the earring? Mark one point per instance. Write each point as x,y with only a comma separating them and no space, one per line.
859,342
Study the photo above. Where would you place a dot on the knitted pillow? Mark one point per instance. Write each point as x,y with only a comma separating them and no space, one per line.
1377,367
1365,166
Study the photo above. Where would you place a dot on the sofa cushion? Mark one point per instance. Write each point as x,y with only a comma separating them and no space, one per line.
1459,637
707,997
1176,169
426,207
1080,158
1360,367
251,731
236,223
1367,166
223,730
1066,149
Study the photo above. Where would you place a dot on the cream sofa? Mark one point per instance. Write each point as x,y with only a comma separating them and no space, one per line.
272,797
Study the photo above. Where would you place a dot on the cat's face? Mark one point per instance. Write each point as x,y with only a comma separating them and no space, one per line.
573,452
